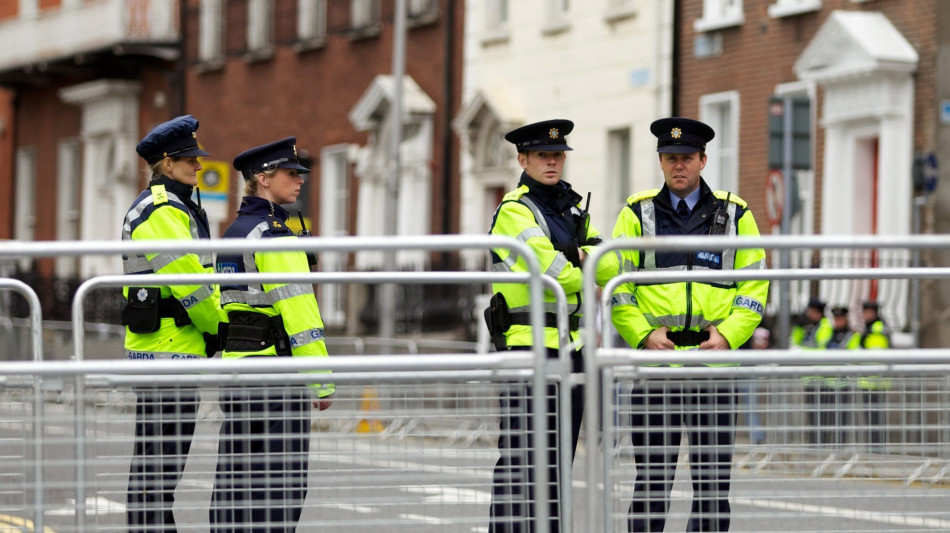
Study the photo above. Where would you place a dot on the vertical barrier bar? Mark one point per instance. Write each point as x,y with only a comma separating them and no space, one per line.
36,337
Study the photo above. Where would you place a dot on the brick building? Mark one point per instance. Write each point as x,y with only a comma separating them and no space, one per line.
867,73
261,70
85,80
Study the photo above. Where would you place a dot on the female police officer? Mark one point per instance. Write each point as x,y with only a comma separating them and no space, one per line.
265,439
174,322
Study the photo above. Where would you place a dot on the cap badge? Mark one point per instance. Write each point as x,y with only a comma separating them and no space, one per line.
194,135
676,133
553,133
295,150
142,294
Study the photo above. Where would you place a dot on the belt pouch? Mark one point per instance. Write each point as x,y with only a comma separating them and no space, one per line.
142,312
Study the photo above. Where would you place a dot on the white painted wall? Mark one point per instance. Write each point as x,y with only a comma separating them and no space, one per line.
603,73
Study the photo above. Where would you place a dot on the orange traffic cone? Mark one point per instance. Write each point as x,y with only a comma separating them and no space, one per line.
370,402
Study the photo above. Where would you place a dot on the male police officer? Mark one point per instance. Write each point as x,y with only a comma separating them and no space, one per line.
685,316
876,336
544,213
177,322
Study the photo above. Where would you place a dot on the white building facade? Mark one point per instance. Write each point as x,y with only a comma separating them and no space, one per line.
604,64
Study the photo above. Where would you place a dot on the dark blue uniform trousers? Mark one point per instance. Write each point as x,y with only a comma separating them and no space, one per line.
660,412
263,455
513,481
164,426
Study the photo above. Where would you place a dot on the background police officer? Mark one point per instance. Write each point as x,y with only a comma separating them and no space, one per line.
681,316
264,447
876,336
174,322
543,212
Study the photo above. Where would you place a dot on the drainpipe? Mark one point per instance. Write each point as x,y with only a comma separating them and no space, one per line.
448,85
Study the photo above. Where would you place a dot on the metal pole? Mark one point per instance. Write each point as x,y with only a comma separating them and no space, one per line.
387,296
784,292
919,203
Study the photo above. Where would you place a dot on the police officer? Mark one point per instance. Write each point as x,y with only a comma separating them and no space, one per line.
175,322
837,402
543,212
264,446
876,336
814,332
685,316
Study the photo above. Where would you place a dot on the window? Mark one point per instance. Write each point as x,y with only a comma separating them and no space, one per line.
260,26
618,163
211,26
29,8
496,21
68,174
364,15
312,20
25,222
619,9
421,8
718,14
786,8
721,112
557,18
334,215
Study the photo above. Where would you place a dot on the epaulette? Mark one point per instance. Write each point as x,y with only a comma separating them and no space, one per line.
642,195
275,224
515,195
159,195
726,195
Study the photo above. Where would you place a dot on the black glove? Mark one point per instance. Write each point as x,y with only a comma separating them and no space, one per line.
215,343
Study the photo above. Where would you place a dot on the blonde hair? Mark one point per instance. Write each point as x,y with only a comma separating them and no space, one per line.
155,169
250,180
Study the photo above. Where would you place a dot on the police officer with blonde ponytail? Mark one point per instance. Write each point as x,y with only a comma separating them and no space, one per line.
176,322
264,447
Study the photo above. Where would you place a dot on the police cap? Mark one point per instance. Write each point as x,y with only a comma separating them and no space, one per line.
176,138
544,135
278,154
816,303
870,304
839,311
678,135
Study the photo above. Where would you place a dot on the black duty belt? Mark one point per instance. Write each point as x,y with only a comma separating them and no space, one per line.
550,320
250,331
687,337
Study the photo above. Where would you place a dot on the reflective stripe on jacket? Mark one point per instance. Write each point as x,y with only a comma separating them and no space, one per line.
295,303
735,309
165,211
540,216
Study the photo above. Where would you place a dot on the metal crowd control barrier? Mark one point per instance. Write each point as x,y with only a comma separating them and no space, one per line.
534,280
608,363
36,337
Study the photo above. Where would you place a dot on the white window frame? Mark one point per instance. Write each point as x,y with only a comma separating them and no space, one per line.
620,163
497,17
364,14
312,20
788,8
211,31
24,225
29,8
619,9
719,14
421,8
260,25
721,112
558,16
334,217
68,176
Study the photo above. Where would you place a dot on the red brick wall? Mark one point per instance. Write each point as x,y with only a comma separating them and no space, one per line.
310,94
760,54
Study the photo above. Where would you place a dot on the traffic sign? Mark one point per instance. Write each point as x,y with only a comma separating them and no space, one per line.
931,172
774,196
